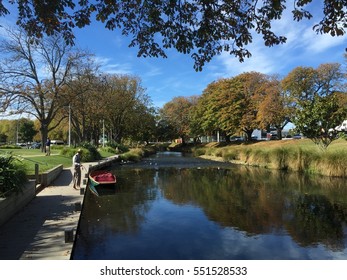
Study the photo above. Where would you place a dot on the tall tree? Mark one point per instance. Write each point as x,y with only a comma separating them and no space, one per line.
200,28
204,117
33,74
122,97
238,102
164,130
177,114
273,111
315,96
231,105
144,130
27,130
83,97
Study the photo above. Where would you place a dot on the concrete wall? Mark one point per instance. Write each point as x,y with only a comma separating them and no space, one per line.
102,164
10,205
49,176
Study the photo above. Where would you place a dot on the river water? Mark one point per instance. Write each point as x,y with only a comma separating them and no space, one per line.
172,207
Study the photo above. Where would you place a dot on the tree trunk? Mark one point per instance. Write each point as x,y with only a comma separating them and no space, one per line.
44,136
248,134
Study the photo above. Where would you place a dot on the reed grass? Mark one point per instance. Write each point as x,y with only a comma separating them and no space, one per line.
333,163
294,155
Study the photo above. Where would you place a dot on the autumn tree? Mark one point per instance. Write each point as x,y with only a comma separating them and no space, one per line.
238,102
316,98
204,115
230,105
177,113
202,29
8,130
273,109
33,75
114,104
142,131
123,101
252,86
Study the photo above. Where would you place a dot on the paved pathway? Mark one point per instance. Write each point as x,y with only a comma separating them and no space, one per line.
38,230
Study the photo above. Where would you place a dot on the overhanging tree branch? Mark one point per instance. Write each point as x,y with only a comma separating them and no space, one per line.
202,29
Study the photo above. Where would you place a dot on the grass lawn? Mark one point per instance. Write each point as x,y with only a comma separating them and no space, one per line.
30,157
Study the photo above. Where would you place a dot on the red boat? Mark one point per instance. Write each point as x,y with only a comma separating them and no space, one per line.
100,178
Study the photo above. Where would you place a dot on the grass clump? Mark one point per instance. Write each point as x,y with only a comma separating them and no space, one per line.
297,155
229,155
332,163
135,154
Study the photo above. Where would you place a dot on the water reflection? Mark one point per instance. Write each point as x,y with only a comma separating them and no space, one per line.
214,212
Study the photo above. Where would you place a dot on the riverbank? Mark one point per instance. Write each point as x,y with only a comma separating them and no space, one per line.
299,155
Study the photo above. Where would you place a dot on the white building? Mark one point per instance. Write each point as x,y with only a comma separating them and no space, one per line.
342,127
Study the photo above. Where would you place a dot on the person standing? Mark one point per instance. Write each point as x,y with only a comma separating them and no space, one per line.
48,147
76,163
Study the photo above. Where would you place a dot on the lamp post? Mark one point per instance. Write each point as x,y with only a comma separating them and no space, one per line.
69,125
103,133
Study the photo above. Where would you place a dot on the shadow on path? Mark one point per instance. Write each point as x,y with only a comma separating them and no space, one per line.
52,203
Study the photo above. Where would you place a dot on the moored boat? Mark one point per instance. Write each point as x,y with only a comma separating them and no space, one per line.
100,178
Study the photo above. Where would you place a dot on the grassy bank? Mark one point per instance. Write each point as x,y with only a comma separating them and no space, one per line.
137,154
31,157
295,155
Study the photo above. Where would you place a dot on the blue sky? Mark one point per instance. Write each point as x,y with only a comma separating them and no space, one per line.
175,76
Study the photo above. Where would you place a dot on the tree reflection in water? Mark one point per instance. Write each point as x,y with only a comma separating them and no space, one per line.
261,201
144,212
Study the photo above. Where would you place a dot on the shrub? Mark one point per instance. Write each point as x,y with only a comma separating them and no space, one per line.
210,151
10,147
342,135
218,153
89,152
92,152
12,175
118,147
109,149
149,150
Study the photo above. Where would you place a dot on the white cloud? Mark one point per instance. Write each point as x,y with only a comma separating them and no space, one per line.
117,68
263,60
303,47
319,43
150,70
107,66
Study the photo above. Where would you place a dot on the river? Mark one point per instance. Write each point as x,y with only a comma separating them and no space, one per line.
173,207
